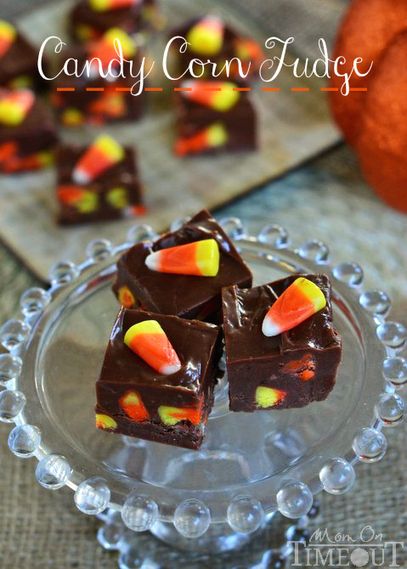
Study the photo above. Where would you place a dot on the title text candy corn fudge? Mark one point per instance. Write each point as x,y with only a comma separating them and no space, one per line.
18,59
89,19
91,98
280,353
209,37
158,377
213,117
183,272
98,182
27,132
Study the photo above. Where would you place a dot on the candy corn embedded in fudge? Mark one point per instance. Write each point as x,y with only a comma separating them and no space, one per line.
292,368
210,38
93,99
183,272
99,182
158,377
18,60
213,117
27,132
89,19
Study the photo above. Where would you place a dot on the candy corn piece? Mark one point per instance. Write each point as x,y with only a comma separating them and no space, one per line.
214,136
105,422
108,47
148,340
200,258
248,49
268,397
133,406
8,34
14,106
206,37
106,5
109,104
126,297
298,302
217,95
104,153
170,416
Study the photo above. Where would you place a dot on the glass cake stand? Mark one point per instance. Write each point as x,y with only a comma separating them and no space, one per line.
251,465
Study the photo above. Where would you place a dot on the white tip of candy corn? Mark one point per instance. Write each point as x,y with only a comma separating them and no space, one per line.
80,176
270,329
170,369
153,261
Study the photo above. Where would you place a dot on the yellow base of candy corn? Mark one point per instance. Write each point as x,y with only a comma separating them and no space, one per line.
207,257
105,422
268,397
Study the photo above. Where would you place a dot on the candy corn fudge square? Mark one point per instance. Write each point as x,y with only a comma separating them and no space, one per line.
280,353
183,272
91,99
213,117
209,37
89,19
98,182
27,132
18,59
158,377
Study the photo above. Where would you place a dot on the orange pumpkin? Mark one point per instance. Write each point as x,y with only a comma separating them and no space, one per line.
367,29
382,141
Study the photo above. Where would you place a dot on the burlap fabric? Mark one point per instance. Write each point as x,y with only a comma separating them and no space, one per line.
326,199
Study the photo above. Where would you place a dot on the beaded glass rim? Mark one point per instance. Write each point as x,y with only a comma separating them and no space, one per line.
192,517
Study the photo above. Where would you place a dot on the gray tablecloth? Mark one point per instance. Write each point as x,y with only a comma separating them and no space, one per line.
326,199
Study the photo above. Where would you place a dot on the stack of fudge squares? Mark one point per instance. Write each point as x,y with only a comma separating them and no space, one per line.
214,115
185,298
28,134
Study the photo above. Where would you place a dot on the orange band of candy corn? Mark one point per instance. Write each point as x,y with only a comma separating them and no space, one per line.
126,297
148,340
301,300
220,96
170,416
200,258
133,406
104,153
8,34
214,136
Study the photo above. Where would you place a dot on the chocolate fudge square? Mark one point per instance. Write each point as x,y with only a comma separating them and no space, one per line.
115,194
181,295
18,64
93,99
86,23
284,371
214,117
30,144
135,400
232,45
